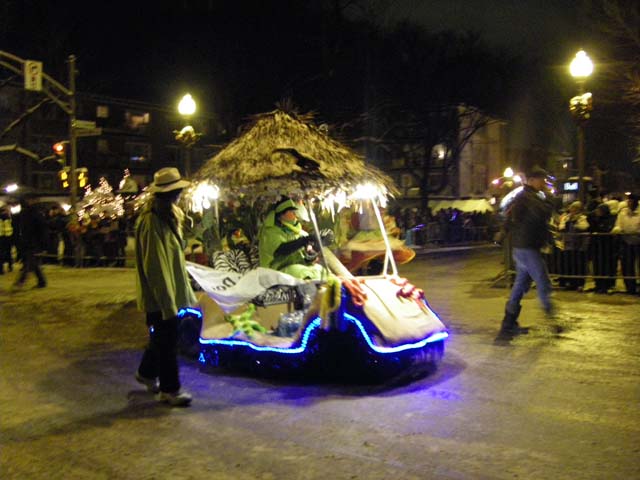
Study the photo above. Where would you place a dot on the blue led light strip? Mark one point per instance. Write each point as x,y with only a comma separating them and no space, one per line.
303,344
191,311
430,339
316,324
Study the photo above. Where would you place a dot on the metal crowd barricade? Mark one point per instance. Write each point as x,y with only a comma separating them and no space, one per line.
446,234
577,258
83,260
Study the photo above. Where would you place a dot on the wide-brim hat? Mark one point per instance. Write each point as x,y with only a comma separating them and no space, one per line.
168,179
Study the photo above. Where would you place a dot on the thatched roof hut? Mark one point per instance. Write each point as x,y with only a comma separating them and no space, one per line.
286,154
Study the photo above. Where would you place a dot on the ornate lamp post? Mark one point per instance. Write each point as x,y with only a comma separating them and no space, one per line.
580,107
187,136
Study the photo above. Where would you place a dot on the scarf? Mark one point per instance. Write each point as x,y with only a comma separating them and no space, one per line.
294,227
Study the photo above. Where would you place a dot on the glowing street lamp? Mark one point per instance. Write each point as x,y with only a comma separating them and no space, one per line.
187,106
581,66
580,106
508,178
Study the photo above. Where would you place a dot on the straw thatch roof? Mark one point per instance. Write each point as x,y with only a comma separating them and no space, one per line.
286,154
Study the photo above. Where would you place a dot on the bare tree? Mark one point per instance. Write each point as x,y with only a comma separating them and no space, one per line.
619,22
425,145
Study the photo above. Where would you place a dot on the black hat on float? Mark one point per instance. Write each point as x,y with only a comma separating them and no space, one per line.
537,172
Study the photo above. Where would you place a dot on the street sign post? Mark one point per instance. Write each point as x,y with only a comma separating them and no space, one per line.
88,132
84,124
33,75
85,128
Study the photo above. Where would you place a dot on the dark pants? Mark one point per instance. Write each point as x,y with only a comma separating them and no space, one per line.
628,257
160,359
31,263
5,253
574,263
604,254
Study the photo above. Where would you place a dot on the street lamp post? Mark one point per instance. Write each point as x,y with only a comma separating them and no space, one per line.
187,136
580,106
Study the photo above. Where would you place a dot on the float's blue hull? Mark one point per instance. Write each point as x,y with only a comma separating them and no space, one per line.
346,352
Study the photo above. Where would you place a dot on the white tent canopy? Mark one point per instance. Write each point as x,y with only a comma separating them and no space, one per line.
468,205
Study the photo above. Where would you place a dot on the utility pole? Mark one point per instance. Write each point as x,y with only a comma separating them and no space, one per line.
72,132
36,79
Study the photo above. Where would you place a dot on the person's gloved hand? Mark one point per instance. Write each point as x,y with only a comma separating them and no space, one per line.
327,237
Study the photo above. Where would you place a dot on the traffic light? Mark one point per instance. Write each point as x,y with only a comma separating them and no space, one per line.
60,150
64,177
82,175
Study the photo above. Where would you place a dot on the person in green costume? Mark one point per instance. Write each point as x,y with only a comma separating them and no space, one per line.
285,246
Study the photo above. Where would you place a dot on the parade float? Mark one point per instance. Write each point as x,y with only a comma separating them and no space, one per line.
262,321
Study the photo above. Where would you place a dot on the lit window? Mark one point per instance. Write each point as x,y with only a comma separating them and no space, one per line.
136,120
102,111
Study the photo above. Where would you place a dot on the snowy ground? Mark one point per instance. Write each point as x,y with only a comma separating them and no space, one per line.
546,406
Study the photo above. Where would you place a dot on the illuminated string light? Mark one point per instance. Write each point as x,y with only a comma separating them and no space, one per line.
314,324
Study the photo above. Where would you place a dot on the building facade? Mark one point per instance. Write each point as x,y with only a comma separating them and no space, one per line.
135,136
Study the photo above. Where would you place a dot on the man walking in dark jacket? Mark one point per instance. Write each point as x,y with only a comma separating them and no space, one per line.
29,235
528,224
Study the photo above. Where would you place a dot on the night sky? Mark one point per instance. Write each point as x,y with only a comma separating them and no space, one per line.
141,51
112,37
550,25
548,32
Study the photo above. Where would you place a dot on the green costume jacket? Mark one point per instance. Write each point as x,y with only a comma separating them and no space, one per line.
274,234
162,281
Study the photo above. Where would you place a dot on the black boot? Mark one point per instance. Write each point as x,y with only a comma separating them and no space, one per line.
510,326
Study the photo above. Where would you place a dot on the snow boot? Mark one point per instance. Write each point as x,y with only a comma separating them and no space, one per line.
510,326
552,320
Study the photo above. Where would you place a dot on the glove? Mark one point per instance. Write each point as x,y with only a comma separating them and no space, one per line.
327,237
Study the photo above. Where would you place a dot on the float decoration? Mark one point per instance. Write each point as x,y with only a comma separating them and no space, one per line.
350,328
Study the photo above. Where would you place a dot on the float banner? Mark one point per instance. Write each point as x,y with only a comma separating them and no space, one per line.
230,290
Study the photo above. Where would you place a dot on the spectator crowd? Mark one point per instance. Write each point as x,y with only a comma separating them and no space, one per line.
446,226
601,241
92,241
